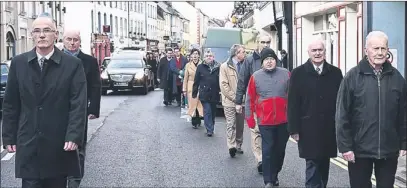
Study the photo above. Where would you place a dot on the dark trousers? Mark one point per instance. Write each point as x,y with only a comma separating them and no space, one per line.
209,110
74,182
317,173
44,183
274,141
167,95
178,94
360,172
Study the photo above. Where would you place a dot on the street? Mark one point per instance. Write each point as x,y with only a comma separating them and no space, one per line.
138,142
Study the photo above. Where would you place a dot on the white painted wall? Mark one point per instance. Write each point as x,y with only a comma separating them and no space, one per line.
71,21
190,13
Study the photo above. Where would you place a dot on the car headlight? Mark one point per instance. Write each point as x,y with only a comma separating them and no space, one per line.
104,75
139,75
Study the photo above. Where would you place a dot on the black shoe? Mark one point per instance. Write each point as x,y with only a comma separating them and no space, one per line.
165,103
195,126
209,134
232,152
239,151
259,168
276,183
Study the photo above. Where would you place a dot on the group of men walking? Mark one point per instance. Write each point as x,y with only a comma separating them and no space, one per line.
52,93
50,96
362,115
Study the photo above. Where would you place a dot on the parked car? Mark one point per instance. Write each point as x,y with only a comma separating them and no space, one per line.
3,83
104,64
127,71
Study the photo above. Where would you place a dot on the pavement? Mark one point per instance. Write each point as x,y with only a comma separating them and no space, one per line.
138,142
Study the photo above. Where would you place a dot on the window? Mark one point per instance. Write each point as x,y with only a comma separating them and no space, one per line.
22,7
4,69
125,63
121,27
92,21
125,5
116,26
111,23
126,33
34,8
111,4
104,19
104,3
99,23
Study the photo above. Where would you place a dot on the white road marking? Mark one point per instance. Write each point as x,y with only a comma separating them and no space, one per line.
2,149
8,156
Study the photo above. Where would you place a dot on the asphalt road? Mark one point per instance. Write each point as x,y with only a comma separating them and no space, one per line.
138,142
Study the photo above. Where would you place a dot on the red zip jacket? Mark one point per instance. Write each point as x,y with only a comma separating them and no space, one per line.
267,97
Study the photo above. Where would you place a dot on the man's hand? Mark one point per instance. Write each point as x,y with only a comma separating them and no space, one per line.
349,156
11,148
402,153
91,116
239,109
70,146
296,137
158,79
185,93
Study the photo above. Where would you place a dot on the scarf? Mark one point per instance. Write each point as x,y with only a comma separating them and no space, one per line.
66,51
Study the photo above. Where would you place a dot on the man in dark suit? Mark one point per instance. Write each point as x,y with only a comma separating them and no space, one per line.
44,111
72,42
311,113
164,77
176,64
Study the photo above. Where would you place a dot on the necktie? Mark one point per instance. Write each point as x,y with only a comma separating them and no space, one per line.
318,70
41,62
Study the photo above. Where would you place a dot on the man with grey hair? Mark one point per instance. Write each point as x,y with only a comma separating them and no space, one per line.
72,42
44,110
228,84
311,110
371,116
251,64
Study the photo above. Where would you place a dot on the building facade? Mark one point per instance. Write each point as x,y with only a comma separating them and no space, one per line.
202,26
16,20
188,10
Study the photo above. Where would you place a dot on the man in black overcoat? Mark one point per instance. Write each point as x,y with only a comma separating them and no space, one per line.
311,113
72,42
44,111
164,76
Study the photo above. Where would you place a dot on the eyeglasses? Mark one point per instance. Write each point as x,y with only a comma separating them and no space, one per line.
265,42
45,31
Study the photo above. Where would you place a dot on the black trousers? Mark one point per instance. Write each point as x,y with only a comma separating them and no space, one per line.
44,183
360,172
317,173
74,182
168,95
178,94
274,142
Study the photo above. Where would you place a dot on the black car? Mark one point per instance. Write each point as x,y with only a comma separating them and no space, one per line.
3,83
127,71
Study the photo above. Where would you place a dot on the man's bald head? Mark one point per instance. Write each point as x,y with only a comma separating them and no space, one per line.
44,32
72,39
316,51
44,20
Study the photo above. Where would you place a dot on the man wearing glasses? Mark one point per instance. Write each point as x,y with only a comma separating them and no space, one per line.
45,105
251,64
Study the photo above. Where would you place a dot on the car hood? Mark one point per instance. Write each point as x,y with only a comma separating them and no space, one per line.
125,70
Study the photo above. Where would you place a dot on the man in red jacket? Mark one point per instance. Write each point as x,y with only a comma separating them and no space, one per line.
267,97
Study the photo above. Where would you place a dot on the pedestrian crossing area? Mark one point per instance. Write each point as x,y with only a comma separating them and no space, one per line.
5,156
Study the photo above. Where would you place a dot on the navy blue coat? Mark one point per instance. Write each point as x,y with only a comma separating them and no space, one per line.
206,83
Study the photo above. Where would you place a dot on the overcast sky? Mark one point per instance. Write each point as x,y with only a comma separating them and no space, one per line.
216,9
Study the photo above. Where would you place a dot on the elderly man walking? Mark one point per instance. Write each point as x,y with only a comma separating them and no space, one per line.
228,84
311,113
371,116
72,42
251,64
44,111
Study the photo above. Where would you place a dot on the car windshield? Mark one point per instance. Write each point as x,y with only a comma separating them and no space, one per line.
106,62
125,63
4,69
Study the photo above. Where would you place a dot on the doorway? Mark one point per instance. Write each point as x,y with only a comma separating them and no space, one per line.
10,46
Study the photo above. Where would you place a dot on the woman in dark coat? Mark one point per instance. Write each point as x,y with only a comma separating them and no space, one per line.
206,82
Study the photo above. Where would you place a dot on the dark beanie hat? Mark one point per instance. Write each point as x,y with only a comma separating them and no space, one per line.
268,52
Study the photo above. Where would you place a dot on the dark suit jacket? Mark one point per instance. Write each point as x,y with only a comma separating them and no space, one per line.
94,85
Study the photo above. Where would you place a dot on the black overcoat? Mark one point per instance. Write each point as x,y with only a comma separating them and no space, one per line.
163,71
42,110
311,109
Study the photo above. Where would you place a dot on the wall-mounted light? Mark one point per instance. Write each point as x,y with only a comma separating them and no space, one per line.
64,9
57,7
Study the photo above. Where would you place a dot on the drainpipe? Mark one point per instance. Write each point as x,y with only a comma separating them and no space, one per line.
288,20
367,19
